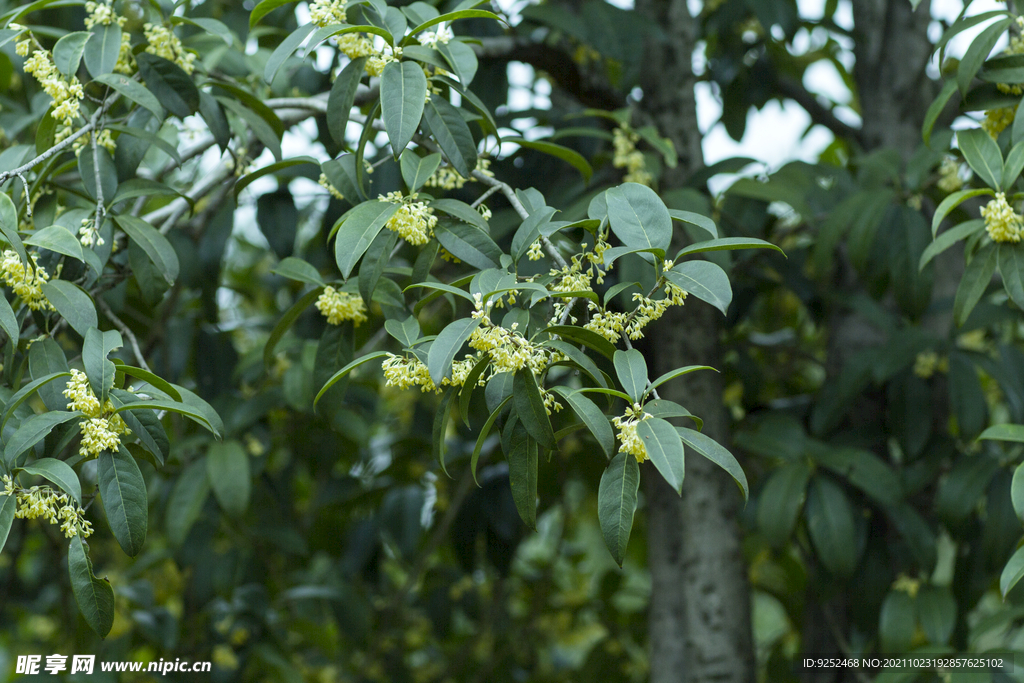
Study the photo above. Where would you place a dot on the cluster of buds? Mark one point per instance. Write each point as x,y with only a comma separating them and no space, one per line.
327,12
338,306
1001,221
630,442
43,502
627,156
414,221
164,43
447,178
26,281
65,92
103,429
326,184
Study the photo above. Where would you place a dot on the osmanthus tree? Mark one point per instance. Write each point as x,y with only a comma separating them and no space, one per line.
132,129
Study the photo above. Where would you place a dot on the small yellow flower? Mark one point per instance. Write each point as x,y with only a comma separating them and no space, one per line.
629,441
629,157
103,429
26,282
45,502
414,221
326,184
996,120
339,306
1001,221
327,12
949,176
164,43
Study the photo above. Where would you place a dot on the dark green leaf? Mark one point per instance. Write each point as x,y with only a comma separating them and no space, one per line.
982,155
699,220
583,336
716,453
406,332
72,303
102,49
616,503
567,155
342,97
403,91
936,609
173,87
781,500
830,523
897,622
975,281
245,180
285,49
726,243
948,238
665,450
265,7
1011,268
297,269
134,91
156,246
358,230
449,341
345,370
705,280
951,202
8,506
468,243
98,368
935,109
1017,486
638,217
631,369
185,504
94,596
285,323
59,239
124,499
441,427
522,473
67,52
592,417
452,134
416,170
227,467
976,54
461,58
529,405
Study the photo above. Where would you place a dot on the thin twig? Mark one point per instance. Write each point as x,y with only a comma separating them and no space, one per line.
28,197
100,209
483,198
125,330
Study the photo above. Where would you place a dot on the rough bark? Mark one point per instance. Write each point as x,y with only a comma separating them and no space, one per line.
700,610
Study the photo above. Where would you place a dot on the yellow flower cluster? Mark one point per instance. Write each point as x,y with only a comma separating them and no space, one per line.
26,282
356,45
414,221
949,176
535,252
103,429
43,501
1001,221
339,306
447,178
104,139
927,362
629,441
1015,47
442,34
163,43
102,13
402,372
627,156
612,325
327,12
65,93
88,235
996,120
573,277
326,184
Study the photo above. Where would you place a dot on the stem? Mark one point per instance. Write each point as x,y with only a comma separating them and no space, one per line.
125,330
99,184
482,198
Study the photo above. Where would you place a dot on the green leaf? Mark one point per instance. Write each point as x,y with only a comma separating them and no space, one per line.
948,238
580,359
9,226
156,246
1013,166
285,323
462,59
975,281
466,392
406,332
149,186
211,26
896,622
59,239
185,504
296,269
982,154
72,303
613,254
155,380
102,49
468,243
265,7
416,170
592,417
529,405
450,16
699,220
94,596
285,49
358,230
727,243
67,52
172,87
1004,432
345,370
98,368
638,217
247,179
673,374
452,134
8,506
631,369
716,453
705,280
935,109
25,392
377,257
781,500
975,56
665,450
583,336
441,427
522,472
227,467
830,524
33,430
57,471
449,341
9,321
936,609
1012,572
191,412
403,91
342,97
1011,268
567,155
124,499
530,231
484,431
951,202
106,173
616,503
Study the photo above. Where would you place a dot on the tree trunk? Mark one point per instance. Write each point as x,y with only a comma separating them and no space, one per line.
700,607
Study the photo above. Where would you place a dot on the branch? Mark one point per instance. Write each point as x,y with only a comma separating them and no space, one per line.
819,114
125,330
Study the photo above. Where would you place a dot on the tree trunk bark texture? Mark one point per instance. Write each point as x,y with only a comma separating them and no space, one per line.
699,618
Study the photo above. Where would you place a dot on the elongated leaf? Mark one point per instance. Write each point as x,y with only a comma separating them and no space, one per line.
1012,572
227,465
716,453
982,154
484,431
124,499
25,392
583,336
948,239
569,156
59,239
705,280
357,232
1011,267
72,303
192,413
1004,432
976,54
462,59
416,170
155,380
403,92
441,427
296,269
406,331
172,87
461,210
9,226
831,526
98,368
67,52
265,7
8,321
452,134
529,405
1017,490
616,503
33,430
469,244
580,359
975,281
951,202
936,610
451,16
781,500
57,471
441,287
102,49
631,369
8,506
1013,166
727,243
442,351
522,473
94,596
638,217
592,417
247,179
345,370
673,374
342,97
285,323
185,505
665,450
285,49
700,220
466,392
